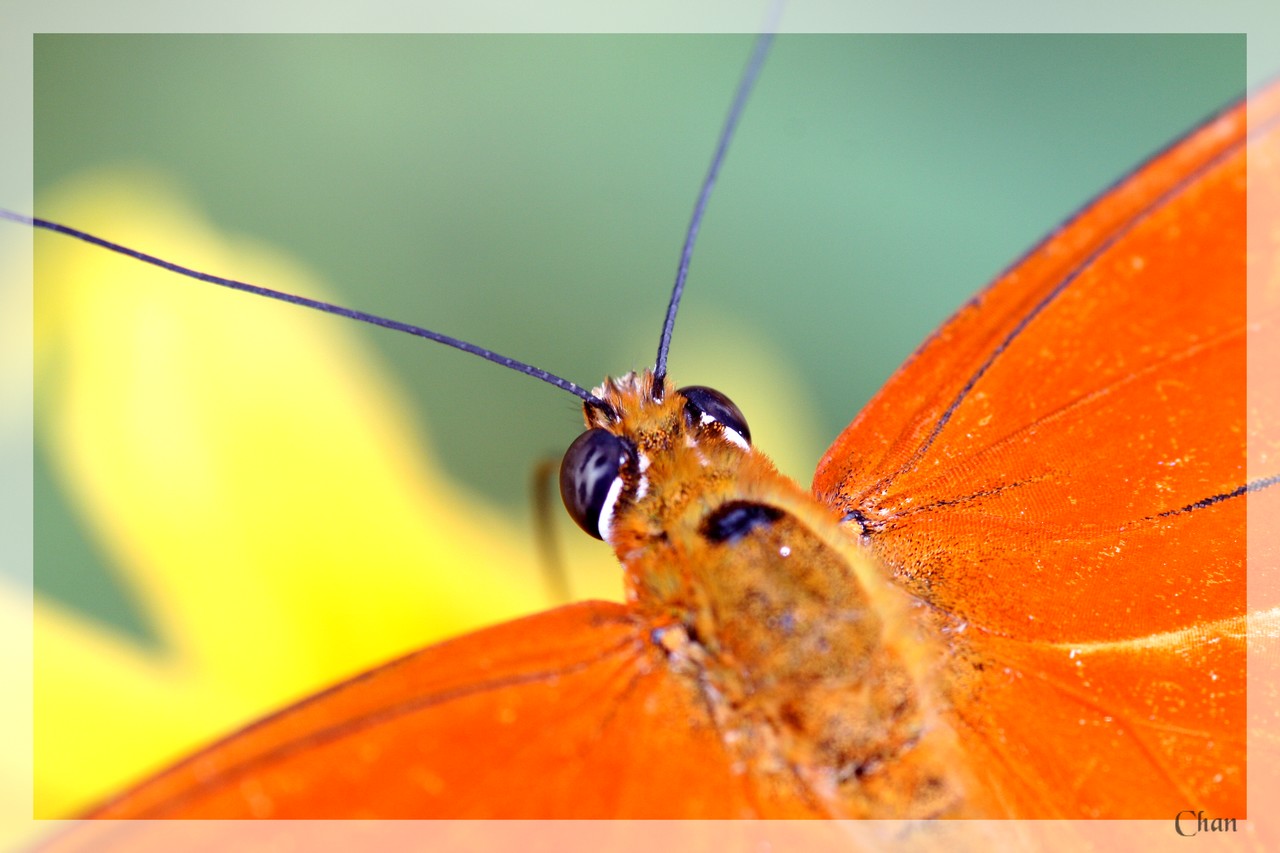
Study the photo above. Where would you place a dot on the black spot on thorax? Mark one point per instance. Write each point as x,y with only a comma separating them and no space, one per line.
731,521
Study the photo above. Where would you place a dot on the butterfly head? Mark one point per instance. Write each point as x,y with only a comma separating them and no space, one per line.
634,421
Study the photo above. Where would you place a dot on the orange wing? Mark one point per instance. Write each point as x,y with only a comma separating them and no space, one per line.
1063,467
534,718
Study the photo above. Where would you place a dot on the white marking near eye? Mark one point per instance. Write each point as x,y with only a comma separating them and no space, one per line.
605,525
737,439
702,458
643,488
731,435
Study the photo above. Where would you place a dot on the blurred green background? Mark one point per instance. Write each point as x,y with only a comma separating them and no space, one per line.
530,193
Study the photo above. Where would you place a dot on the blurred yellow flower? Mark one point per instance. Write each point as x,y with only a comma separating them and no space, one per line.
225,457
264,494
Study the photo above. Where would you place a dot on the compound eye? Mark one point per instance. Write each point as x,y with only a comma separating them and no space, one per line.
591,479
704,405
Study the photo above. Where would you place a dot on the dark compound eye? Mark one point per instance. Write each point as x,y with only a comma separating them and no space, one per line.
590,479
704,405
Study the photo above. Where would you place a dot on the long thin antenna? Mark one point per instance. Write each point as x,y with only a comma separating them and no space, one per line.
326,307
695,223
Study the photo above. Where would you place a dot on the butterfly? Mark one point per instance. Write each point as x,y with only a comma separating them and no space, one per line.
862,522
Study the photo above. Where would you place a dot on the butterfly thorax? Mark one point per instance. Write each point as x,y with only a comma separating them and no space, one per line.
812,665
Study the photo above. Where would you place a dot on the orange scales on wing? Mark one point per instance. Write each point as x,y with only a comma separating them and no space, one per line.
1064,465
